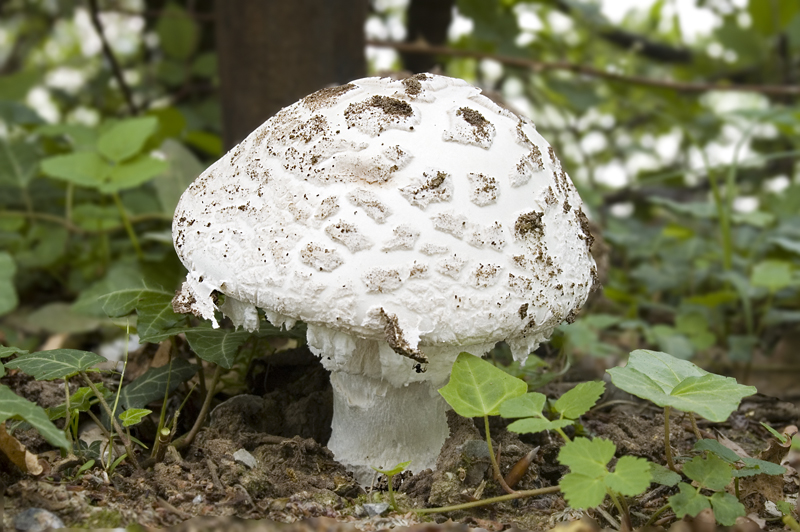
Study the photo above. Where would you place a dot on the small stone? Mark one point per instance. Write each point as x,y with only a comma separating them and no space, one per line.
374,509
198,499
475,449
245,458
37,520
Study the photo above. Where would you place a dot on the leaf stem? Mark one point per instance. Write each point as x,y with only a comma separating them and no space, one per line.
667,447
495,466
126,221
188,438
125,441
656,514
694,427
392,500
474,504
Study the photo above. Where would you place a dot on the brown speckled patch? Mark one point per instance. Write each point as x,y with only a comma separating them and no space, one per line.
320,258
484,275
478,122
530,222
434,187
348,234
371,204
382,280
412,84
398,343
523,311
326,97
327,207
587,233
484,189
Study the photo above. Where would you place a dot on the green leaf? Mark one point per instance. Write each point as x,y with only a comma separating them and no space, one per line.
8,293
631,476
156,319
773,275
59,318
133,173
55,364
580,399
152,384
711,472
178,33
12,406
183,168
777,435
726,508
96,217
688,501
718,449
668,381
126,138
399,468
18,162
477,388
219,346
583,491
532,425
134,416
530,404
754,466
587,457
6,352
80,401
86,169
664,476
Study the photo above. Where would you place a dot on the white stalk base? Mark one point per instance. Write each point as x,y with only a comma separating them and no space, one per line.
380,425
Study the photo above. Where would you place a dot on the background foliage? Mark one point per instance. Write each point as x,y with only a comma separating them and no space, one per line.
684,148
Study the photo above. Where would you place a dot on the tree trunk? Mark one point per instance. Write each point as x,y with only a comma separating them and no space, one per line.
272,53
427,20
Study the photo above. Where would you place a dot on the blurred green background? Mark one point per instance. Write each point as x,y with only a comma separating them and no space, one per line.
676,119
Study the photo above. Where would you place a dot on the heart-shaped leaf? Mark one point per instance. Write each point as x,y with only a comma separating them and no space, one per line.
477,388
12,406
126,138
219,346
55,364
576,402
668,381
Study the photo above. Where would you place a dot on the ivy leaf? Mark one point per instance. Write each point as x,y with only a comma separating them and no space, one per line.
664,476
12,406
717,448
133,416
587,457
126,138
726,508
18,162
80,401
152,384
178,33
754,466
477,388
6,352
771,274
55,364
219,346
711,472
580,399
631,476
688,501
668,381
530,404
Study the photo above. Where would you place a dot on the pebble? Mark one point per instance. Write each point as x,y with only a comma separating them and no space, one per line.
37,520
245,458
377,508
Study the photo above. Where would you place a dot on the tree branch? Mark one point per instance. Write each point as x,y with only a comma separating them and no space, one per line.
112,60
585,70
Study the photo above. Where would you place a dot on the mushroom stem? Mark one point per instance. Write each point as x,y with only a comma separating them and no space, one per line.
378,424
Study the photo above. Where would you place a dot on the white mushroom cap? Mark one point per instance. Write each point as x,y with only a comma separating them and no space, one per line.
417,214
419,199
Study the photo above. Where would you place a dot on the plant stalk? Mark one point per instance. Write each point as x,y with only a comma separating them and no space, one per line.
126,221
474,504
667,447
187,439
656,514
125,441
495,466
694,427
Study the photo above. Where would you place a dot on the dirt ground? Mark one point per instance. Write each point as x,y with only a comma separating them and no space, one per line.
294,482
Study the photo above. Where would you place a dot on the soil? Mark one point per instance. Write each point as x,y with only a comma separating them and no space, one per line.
295,483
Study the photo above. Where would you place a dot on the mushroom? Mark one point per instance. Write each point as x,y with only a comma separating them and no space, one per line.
404,222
